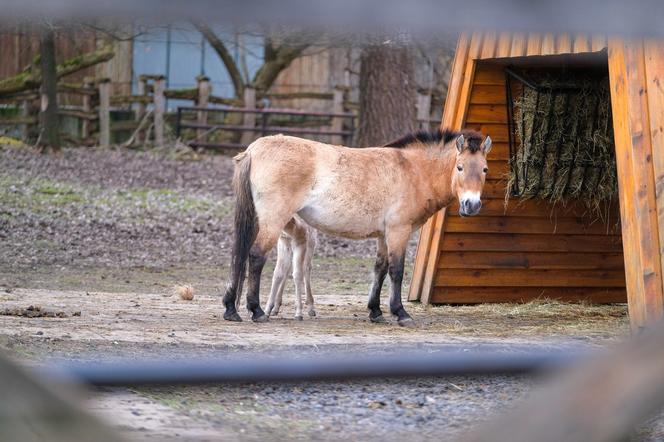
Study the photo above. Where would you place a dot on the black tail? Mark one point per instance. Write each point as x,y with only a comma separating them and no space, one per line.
246,228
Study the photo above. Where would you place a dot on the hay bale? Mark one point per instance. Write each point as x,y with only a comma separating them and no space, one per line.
565,143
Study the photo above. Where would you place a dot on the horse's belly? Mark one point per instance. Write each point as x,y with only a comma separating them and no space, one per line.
340,222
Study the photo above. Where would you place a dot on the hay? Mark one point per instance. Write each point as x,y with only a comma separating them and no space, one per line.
186,292
566,150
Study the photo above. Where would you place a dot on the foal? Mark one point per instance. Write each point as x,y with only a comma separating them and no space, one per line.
383,192
295,250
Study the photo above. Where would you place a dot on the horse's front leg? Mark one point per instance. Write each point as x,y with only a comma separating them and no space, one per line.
397,242
380,270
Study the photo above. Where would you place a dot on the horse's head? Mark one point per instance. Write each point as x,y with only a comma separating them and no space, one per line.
470,171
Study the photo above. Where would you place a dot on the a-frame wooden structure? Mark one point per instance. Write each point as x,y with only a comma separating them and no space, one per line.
532,249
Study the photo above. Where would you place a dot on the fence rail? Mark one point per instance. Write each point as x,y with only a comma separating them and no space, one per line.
250,128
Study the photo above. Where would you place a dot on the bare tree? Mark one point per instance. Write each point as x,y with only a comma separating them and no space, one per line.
279,52
387,93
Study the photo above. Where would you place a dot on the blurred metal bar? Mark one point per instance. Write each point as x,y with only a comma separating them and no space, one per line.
331,367
638,17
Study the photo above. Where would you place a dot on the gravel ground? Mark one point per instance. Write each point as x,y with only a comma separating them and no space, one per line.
108,233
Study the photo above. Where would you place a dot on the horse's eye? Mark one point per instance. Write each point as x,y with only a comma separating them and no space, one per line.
460,168
486,169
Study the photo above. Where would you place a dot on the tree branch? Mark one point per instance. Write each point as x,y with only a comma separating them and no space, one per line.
221,50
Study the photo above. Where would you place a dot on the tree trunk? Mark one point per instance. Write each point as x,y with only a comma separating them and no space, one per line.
48,118
387,93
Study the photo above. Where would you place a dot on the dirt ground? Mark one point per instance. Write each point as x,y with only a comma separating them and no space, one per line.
109,233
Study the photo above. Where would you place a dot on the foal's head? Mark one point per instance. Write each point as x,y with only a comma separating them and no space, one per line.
470,170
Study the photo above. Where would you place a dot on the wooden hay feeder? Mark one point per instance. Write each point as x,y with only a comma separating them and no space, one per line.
535,247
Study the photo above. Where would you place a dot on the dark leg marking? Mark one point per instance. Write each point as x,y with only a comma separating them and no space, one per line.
396,264
256,262
380,270
229,302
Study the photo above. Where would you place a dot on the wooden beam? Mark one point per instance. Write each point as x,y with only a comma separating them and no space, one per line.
636,181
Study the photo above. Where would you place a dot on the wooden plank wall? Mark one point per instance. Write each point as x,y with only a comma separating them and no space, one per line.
636,71
527,249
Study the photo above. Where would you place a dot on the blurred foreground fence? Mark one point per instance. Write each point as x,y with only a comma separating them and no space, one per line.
592,399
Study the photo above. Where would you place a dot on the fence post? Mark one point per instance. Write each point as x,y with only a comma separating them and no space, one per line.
204,89
88,83
142,90
105,112
25,113
159,110
249,119
337,122
423,110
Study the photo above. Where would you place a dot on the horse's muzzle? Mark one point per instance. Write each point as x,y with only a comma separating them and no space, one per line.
470,207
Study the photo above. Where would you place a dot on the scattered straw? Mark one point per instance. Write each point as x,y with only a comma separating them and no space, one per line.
186,292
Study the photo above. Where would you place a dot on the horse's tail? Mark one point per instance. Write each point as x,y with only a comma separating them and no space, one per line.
246,221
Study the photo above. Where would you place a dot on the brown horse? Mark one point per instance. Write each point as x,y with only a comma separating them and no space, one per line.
383,192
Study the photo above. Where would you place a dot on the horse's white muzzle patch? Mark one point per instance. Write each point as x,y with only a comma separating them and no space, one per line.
469,204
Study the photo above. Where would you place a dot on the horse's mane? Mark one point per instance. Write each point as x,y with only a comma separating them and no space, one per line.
433,137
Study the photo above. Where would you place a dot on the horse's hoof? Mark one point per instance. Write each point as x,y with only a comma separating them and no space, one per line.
262,318
234,317
378,319
312,313
274,312
406,322
299,318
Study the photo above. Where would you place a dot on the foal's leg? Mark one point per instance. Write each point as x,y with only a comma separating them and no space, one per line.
308,258
281,271
299,252
397,241
380,270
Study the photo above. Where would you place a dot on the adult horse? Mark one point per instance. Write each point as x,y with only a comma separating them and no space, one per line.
382,192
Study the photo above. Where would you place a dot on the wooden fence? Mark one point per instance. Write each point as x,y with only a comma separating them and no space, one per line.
147,124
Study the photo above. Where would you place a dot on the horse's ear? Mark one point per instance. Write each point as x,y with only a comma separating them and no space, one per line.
486,145
459,143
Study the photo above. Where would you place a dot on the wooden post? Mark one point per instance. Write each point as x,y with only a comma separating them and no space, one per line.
159,110
142,90
25,113
337,122
204,89
105,112
423,110
88,83
635,72
249,119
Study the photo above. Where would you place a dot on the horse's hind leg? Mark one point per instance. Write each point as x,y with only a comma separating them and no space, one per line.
380,270
267,237
281,271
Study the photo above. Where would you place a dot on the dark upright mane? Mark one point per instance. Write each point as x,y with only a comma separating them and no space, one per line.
473,138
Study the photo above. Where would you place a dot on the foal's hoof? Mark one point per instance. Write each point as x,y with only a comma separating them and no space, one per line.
299,318
312,313
406,322
274,312
234,317
261,318
378,319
